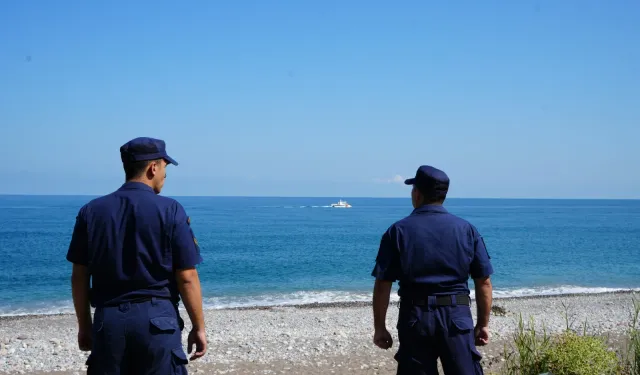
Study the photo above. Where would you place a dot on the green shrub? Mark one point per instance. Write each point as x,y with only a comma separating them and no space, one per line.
567,353
633,357
634,362
528,355
571,354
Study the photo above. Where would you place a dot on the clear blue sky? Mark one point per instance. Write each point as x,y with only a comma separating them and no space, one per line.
325,98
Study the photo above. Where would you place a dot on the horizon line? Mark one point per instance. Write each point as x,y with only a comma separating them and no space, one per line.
320,196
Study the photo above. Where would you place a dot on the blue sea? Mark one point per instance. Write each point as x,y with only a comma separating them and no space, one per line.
268,251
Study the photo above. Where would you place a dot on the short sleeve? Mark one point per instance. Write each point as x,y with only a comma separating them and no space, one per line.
184,245
481,263
388,260
78,252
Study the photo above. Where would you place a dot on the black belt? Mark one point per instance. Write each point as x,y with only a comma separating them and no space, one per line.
461,299
135,301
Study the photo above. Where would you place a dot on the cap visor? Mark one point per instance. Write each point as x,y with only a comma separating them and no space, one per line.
409,181
170,160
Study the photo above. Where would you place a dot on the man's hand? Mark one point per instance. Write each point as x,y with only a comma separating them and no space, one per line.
381,292
189,287
484,298
382,339
80,292
85,340
482,335
199,339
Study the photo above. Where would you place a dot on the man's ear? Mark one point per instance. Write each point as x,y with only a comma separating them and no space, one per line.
419,197
152,169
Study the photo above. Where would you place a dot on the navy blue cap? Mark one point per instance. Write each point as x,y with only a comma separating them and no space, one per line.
431,181
145,148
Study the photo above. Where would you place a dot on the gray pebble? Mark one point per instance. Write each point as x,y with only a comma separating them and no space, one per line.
285,335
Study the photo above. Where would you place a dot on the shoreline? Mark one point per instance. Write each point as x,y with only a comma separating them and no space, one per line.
311,339
343,304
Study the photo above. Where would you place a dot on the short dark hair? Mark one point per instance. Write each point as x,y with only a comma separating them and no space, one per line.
133,169
431,197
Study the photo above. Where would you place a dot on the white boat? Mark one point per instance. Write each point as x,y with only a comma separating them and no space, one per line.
341,204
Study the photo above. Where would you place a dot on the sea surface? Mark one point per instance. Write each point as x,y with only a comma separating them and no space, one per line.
266,251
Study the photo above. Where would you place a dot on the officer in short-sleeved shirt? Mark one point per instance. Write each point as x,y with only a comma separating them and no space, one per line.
432,253
131,243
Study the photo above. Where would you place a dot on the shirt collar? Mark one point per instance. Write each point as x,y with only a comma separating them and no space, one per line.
136,186
430,208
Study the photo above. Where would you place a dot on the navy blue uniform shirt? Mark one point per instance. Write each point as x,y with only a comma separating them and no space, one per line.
132,241
432,252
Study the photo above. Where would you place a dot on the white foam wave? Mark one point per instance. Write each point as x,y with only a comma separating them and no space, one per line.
556,291
322,297
40,308
287,299
312,297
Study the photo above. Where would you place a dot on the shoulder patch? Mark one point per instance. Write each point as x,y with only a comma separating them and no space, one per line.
485,247
188,220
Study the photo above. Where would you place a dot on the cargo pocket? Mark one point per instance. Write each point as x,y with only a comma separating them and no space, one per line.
179,361
463,325
410,322
98,322
163,325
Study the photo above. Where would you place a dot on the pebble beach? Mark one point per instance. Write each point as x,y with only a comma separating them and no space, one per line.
307,339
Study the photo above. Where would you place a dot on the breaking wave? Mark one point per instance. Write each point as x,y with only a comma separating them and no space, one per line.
309,298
